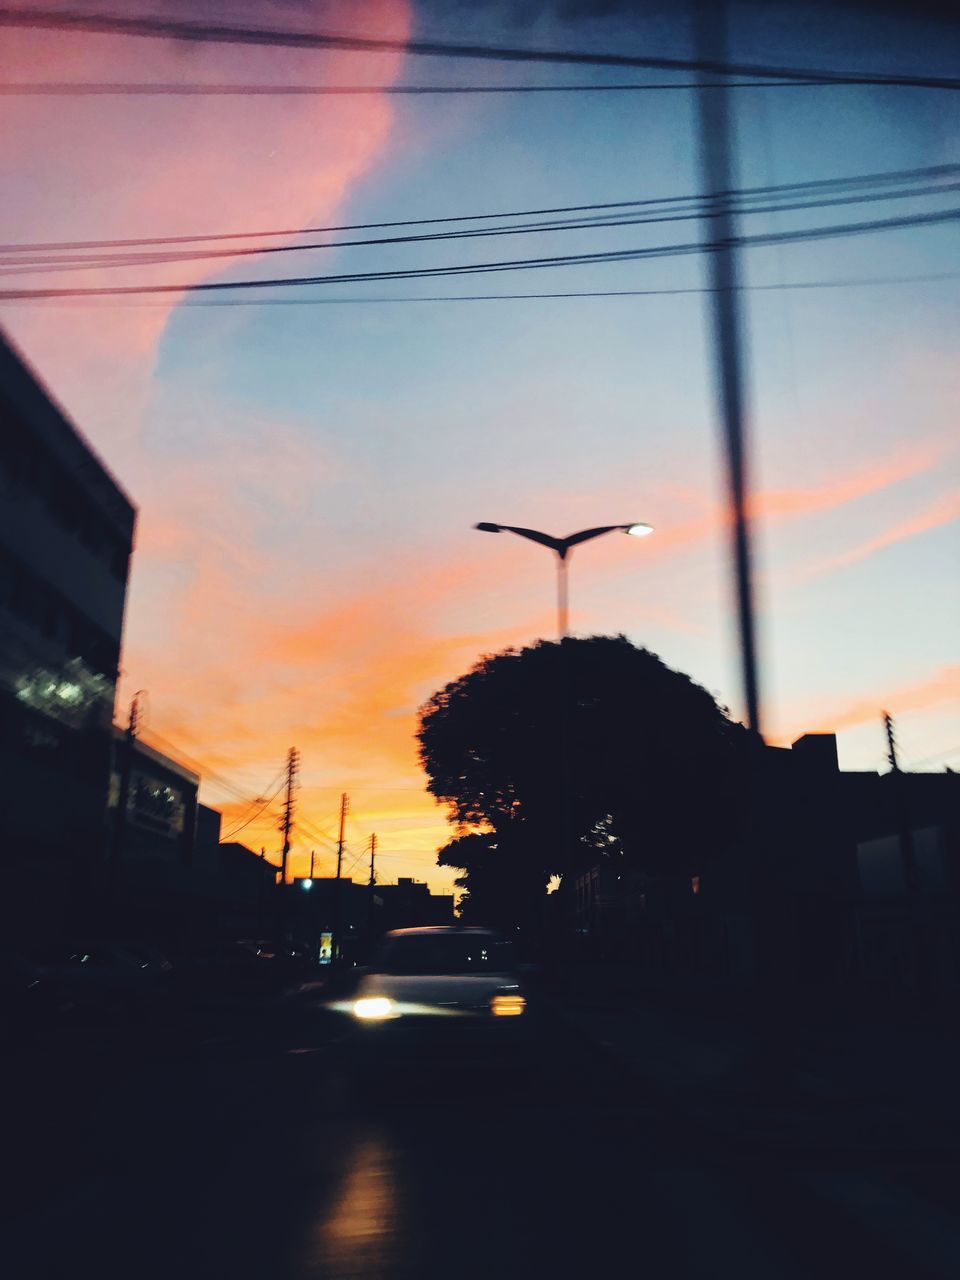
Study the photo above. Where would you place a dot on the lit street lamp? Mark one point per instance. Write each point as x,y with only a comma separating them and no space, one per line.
563,547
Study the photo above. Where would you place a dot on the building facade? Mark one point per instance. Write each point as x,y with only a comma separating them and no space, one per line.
66,535
844,876
152,838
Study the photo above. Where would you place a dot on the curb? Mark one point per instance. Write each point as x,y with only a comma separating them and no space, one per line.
797,1130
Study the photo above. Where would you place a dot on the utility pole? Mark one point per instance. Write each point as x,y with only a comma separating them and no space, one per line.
721,236
289,805
260,887
908,860
891,742
337,889
123,798
313,861
373,885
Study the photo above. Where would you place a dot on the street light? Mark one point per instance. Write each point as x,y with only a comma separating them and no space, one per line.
562,547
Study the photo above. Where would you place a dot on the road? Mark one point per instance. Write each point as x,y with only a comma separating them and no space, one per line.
247,1150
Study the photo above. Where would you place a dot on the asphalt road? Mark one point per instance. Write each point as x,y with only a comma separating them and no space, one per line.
250,1149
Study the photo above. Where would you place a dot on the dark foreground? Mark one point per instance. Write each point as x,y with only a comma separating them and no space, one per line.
243,1145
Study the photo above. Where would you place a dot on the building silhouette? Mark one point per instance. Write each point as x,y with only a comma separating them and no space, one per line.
152,811
314,907
837,878
66,534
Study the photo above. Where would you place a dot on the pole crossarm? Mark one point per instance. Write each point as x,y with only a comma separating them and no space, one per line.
586,534
560,545
545,540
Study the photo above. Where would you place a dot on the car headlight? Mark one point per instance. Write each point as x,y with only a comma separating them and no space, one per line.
507,1005
374,1008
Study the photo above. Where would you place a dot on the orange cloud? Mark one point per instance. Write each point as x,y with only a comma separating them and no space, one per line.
934,691
342,683
343,680
776,505
944,511
773,504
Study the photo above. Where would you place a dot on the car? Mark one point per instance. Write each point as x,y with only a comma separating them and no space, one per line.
438,996
152,959
98,975
440,971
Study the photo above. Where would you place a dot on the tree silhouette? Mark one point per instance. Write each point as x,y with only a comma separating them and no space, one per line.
593,745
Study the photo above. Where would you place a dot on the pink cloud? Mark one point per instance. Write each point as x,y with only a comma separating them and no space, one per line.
109,167
942,512
940,688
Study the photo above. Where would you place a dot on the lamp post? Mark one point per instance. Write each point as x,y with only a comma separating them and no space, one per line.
562,548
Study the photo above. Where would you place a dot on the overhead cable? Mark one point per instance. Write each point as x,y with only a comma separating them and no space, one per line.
53,262
878,281
517,264
850,181
236,830
157,89
79,21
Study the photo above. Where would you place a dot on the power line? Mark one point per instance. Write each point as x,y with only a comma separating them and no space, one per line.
517,264
195,304
222,33
236,830
585,293
208,776
94,89
881,178
212,779
327,845
354,862
318,837
707,210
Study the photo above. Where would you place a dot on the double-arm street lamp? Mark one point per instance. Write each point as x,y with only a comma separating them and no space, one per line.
562,548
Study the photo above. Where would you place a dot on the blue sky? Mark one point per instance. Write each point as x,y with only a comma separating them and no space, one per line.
308,475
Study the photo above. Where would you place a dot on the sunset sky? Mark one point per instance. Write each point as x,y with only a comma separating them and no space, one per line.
307,474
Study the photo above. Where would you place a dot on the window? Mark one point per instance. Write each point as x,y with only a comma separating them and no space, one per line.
444,954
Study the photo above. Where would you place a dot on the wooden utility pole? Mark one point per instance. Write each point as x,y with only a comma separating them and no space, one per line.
373,882
911,878
338,887
123,801
289,804
891,742
908,861
260,887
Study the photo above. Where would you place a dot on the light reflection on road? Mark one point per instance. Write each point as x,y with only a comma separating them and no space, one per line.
357,1234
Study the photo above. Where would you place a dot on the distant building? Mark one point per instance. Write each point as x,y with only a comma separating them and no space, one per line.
314,907
818,892
153,835
66,534
410,903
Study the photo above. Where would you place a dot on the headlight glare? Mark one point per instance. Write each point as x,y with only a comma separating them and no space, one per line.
374,1008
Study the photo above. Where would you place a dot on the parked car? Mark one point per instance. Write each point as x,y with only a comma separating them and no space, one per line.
103,976
150,957
26,1001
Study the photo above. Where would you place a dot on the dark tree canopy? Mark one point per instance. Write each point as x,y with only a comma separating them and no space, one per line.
651,767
